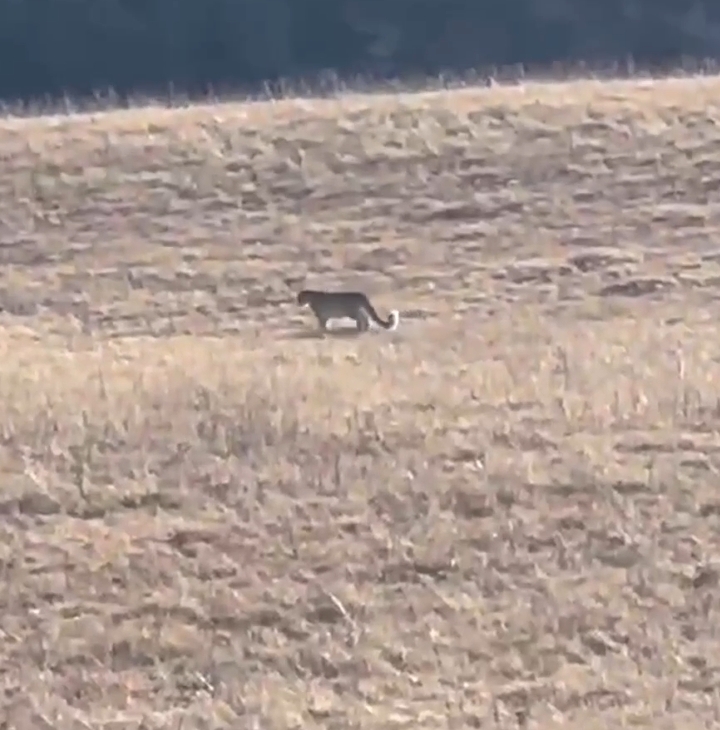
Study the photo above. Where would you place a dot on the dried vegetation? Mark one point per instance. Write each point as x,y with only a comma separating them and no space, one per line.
504,514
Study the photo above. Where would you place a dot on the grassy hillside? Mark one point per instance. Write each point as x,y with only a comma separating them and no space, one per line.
505,513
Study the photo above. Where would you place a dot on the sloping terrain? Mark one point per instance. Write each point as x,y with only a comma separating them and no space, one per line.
504,514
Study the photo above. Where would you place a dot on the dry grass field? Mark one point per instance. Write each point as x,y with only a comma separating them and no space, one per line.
505,514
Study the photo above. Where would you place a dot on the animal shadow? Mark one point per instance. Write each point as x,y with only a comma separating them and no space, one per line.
338,333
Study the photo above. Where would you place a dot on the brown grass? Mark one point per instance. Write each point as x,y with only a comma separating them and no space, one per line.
504,514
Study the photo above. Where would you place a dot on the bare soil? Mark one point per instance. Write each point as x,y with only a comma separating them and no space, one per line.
504,514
